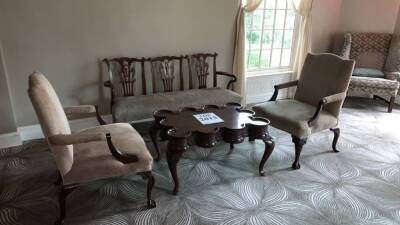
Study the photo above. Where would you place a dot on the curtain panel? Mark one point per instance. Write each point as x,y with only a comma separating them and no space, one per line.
239,59
303,45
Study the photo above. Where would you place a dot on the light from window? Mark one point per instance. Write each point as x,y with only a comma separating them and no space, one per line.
270,31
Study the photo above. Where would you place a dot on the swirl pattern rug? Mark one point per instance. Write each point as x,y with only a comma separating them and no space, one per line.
359,185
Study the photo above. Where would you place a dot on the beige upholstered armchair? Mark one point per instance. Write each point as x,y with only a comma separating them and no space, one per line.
317,103
91,154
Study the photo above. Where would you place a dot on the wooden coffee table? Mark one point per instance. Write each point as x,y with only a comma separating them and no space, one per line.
181,128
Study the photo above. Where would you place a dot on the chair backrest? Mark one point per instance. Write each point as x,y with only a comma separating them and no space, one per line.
370,49
323,75
51,117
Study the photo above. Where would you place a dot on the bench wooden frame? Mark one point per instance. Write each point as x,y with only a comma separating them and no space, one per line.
162,71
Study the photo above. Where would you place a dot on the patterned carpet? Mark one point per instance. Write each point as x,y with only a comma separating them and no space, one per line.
359,185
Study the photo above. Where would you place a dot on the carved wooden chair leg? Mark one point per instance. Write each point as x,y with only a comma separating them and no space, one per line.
391,104
62,196
336,132
150,184
298,143
154,130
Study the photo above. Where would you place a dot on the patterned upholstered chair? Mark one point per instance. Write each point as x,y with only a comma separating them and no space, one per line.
317,103
377,69
91,154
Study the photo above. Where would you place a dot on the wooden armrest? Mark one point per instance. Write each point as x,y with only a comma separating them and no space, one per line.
232,76
108,84
72,139
282,86
326,100
124,158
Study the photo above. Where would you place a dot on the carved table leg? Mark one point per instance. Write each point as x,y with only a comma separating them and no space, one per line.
175,148
154,129
269,147
336,132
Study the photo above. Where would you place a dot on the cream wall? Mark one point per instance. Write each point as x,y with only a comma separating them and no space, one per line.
7,122
397,28
368,15
325,19
66,39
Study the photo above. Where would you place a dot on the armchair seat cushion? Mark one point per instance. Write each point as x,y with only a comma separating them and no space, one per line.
128,109
368,72
93,160
292,116
376,86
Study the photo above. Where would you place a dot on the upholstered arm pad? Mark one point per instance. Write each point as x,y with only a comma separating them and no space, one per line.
82,109
393,76
71,139
287,85
282,86
334,98
325,100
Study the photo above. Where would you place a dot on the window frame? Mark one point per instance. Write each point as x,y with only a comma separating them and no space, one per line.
280,69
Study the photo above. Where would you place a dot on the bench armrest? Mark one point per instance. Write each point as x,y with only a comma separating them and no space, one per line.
108,84
231,81
392,75
282,86
324,101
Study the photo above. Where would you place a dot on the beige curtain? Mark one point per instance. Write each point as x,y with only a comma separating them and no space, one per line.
239,63
303,45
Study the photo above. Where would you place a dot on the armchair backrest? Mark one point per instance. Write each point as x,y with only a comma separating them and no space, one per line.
51,117
370,49
323,75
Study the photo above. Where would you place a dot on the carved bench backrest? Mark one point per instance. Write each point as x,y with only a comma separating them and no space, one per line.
135,76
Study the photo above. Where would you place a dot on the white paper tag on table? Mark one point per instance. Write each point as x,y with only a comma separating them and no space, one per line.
208,118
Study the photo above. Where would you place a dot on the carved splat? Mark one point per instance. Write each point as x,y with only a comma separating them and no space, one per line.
165,69
126,75
200,66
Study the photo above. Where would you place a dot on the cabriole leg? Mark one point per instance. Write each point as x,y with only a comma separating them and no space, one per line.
336,132
150,184
298,143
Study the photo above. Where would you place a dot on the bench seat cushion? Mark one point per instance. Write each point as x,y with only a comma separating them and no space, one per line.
128,109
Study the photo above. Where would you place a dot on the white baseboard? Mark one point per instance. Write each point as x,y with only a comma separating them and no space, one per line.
10,140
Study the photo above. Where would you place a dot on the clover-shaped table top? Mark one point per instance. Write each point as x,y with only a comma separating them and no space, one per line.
183,124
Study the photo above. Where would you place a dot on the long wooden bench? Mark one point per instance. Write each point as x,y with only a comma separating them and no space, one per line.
139,86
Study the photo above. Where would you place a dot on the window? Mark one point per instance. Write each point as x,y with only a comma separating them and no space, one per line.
270,34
